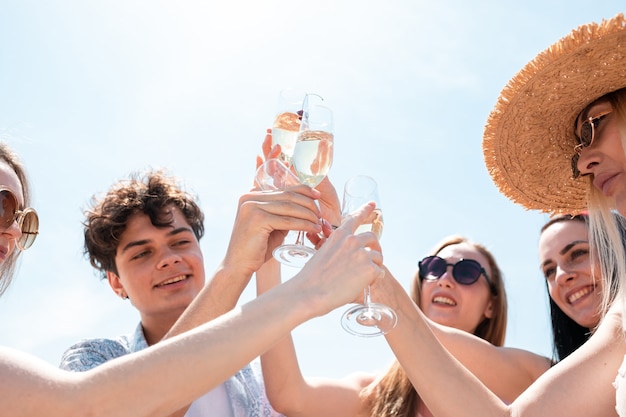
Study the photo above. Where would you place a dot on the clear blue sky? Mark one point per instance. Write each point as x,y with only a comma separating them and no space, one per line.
91,90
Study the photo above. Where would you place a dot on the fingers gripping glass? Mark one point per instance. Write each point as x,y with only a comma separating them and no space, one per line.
465,272
585,139
26,219
274,175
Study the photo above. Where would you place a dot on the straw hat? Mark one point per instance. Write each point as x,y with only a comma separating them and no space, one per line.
529,137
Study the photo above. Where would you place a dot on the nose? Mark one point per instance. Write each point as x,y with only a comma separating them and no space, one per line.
168,259
446,280
563,277
588,159
12,232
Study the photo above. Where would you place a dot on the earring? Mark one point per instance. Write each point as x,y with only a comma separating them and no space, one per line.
123,296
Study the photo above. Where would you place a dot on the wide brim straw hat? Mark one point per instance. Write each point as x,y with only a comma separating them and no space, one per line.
529,137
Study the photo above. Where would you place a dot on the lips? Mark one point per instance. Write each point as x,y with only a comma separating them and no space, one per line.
578,294
602,180
441,299
4,250
173,280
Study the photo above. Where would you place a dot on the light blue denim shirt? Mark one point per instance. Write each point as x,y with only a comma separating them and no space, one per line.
245,389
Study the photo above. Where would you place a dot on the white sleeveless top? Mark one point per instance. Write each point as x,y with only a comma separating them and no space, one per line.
620,390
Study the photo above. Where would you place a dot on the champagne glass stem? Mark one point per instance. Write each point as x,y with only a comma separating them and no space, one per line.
367,298
300,238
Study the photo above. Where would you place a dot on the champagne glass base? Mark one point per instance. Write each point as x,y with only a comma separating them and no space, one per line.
369,320
293,255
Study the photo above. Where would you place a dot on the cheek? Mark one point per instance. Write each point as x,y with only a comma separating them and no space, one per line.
426,291
139,271
554,294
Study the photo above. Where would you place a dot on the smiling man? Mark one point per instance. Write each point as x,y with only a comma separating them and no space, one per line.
143,236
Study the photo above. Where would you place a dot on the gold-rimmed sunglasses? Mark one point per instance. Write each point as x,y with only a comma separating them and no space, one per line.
27,219
586,137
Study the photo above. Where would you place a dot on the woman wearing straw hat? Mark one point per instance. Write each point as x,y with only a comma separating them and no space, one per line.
555,143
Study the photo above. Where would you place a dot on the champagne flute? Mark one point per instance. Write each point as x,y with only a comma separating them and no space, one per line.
367,319
287,122
312,158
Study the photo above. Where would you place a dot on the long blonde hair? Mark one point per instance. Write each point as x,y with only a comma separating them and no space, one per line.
604,225
393,395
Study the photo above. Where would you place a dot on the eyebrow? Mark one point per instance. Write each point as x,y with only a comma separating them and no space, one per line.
135,243
566,249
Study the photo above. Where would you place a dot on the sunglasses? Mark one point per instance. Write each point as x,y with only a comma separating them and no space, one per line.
587,134
26,219
465,271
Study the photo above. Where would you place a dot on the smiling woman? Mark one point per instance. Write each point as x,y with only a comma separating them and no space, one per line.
457,296
469,297
575,294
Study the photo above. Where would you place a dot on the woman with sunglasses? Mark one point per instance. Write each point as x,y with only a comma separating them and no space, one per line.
190,364
554,142
460,288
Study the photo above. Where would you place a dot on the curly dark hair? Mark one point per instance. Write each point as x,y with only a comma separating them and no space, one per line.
151,193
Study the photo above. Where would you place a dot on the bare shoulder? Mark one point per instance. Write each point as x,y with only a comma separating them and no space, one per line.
359,380
533,363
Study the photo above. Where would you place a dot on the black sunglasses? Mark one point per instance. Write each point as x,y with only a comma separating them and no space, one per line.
465,271
27,219
587,135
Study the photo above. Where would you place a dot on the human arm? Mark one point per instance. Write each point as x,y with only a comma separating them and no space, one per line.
263,219
578,386
506,371
187,366
260,225
289,392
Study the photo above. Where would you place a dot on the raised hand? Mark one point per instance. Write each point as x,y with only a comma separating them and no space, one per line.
329,203
263,219
345,264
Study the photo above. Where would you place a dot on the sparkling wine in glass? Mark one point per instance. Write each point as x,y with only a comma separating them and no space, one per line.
312,158
286,124
367,319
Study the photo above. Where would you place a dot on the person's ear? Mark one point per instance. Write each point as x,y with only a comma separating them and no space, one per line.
116,284
488,313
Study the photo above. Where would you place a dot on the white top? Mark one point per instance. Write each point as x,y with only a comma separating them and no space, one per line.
620,390
215,401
